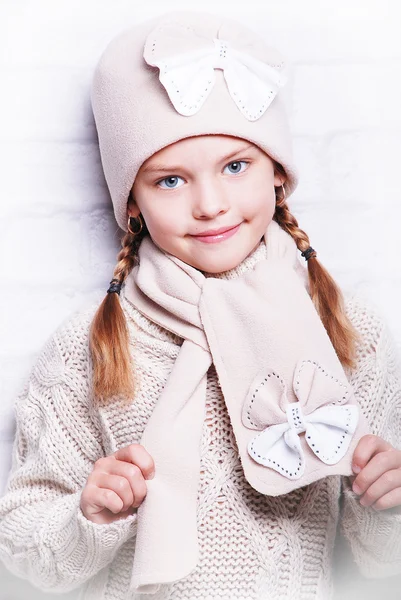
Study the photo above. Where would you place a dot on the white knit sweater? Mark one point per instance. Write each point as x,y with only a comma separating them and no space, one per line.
252,547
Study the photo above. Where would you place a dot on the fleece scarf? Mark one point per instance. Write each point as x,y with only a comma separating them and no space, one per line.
293,412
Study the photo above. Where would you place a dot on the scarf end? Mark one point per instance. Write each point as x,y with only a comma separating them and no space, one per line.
137,585
151,588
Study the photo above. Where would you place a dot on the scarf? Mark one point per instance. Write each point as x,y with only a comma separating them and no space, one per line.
293,412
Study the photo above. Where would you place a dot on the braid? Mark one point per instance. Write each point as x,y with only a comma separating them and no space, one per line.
324,292
288,222
109,337
127,257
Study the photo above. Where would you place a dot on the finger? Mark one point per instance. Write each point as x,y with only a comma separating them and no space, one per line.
389,481
138,455
378,466
367,447
101,498
119,485
133,475
390,500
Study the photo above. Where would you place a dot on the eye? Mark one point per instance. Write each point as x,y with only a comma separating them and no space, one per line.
170,182
236,166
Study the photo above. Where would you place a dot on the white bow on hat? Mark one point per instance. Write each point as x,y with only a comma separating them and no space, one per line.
187,71
328,429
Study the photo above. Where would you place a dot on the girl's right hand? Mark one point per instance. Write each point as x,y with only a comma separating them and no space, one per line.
116,486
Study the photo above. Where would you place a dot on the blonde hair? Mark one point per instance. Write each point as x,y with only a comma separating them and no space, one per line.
109,336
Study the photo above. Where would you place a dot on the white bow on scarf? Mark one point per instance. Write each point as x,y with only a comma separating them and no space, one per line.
189,76
328,429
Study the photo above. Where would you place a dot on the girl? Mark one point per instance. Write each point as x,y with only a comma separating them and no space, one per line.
192,436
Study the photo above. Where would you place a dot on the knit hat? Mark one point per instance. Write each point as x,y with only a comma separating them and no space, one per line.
184,74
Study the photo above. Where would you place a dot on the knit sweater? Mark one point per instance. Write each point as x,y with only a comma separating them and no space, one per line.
251,546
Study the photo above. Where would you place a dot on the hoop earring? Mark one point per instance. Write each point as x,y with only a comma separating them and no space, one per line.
135,220
281,200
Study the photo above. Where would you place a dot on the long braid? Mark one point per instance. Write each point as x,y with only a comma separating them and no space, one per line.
109,336
325,293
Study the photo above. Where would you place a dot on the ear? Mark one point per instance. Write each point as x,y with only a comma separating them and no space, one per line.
278,181
132,207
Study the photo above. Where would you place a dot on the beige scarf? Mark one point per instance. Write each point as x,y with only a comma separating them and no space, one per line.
293,412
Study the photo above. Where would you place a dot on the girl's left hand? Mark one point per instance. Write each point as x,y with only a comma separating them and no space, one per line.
379,476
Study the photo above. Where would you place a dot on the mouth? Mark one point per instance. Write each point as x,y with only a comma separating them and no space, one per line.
217,235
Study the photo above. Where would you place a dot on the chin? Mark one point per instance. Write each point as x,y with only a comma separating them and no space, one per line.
217,267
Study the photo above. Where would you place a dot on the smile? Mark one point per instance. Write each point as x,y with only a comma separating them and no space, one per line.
217,237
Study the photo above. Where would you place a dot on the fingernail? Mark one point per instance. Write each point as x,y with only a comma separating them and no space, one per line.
356,489
356,469
151,476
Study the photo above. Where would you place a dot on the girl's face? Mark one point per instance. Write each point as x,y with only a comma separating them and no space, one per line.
201,184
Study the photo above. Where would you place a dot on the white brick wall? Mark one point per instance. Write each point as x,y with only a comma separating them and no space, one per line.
59,238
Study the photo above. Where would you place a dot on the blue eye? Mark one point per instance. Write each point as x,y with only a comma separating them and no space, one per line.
237,166
170,182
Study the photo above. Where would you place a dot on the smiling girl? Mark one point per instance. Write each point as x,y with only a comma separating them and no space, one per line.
192,436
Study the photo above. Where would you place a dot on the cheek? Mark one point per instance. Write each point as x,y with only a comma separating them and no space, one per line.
265,194
260,204
161,220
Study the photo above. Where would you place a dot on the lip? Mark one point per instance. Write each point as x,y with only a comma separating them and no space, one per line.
217,235
216,231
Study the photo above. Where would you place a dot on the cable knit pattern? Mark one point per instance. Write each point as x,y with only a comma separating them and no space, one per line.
252,547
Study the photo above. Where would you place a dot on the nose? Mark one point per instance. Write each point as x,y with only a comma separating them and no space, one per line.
210,200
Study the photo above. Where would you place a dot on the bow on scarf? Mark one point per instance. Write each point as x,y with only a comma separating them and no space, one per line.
187,62
328,429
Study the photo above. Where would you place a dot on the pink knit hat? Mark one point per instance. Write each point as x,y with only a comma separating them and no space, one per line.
184,74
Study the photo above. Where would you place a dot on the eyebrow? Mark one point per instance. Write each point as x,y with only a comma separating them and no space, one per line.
161,168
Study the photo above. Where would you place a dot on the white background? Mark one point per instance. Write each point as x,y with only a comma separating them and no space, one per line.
59,239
